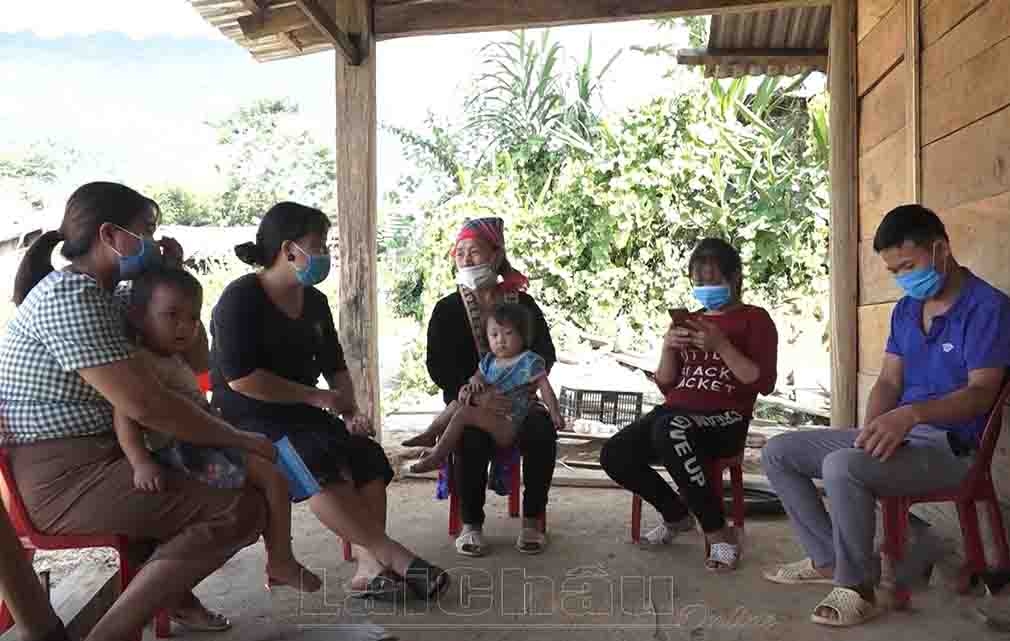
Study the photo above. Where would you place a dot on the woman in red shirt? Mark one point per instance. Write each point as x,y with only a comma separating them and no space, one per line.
714,364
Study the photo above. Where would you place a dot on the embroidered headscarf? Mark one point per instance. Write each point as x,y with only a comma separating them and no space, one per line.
492,231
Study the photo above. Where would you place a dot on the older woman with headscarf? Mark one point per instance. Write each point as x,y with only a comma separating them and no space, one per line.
456,344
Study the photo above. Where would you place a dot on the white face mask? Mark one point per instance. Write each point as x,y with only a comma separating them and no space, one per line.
477,277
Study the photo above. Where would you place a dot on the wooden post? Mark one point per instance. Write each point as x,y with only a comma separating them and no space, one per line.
356,205
913,106
844,236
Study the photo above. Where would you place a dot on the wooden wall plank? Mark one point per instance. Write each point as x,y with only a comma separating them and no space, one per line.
978,88
970,165
940,17
882,48
883,182
980,31
876,284
979,236
874,326
869,13
881,110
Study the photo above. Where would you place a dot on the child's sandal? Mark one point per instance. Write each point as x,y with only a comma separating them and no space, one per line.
722,557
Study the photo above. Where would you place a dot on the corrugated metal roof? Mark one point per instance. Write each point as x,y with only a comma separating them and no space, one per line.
801,28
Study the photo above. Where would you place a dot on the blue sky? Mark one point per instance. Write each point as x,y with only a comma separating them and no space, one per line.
132,82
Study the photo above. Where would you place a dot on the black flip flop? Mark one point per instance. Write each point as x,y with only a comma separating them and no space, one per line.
385,586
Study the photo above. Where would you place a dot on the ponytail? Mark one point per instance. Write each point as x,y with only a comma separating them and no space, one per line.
36,264
251,254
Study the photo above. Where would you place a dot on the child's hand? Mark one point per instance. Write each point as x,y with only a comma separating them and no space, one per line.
149,477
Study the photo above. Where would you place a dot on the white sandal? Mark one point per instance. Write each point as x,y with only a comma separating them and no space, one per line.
531,541
850,608
722,557
470,543
796,573
665,533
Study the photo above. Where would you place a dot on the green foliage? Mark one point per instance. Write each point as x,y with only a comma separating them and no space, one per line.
30,173
269,157
179,206
606,237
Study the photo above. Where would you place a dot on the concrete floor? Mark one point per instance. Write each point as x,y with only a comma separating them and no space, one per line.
591,584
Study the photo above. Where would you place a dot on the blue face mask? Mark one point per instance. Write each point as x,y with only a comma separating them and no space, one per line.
921,283
316,271
713,297
149,257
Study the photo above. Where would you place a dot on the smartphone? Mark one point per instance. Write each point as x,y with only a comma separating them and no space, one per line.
679,315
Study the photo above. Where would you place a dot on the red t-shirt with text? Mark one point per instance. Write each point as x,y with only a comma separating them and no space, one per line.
707,384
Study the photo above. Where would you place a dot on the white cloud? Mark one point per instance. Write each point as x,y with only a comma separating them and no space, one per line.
139,19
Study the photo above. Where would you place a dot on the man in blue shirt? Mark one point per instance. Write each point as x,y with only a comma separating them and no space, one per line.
942,371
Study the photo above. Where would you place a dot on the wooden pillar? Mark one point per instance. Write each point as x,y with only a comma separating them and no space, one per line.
844,237
356,204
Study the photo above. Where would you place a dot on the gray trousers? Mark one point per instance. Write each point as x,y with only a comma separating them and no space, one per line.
853,479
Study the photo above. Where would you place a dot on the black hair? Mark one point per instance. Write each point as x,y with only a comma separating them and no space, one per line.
88,208
721,253
144,286
283,222
916,223
518,317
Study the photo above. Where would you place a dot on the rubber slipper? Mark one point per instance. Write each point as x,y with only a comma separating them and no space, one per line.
211,622
849,607
384,586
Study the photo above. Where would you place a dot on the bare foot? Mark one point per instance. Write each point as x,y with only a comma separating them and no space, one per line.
424,439
293,574
427,464
364,573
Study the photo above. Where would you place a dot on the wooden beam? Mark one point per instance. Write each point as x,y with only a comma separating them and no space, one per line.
329,29
273,22
815,58
913,100
844,236
290,41
356,210
430,17
254,7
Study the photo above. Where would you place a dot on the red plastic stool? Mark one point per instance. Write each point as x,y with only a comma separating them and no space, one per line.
713,474
33,540
977,486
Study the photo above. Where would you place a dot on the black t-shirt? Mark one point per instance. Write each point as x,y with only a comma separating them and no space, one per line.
452,356
248,332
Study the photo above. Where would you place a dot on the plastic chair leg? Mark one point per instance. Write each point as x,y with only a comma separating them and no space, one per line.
974,552
515,489
636,518
162,626
739,507
6,620
895,514
998,533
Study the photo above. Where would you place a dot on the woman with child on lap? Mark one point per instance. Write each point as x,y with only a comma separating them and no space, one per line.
66,367
457,344
714,364
512,369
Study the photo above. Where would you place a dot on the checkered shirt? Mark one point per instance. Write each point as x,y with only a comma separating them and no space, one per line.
67,323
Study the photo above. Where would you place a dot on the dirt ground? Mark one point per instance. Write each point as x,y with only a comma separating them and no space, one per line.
591,584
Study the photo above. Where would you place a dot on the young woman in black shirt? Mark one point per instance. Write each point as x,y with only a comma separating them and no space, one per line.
273,337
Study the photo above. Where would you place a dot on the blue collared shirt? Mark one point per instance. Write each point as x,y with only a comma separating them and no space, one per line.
973,334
